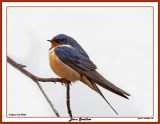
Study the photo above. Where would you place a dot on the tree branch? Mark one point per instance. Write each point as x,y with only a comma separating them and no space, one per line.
20,67
68,100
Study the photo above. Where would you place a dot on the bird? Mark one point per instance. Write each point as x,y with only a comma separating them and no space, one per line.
71,62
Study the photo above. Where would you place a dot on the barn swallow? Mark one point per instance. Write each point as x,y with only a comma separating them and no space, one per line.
69,60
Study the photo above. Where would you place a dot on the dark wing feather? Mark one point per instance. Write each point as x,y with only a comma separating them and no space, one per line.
95,77
100,80
71,56
87,68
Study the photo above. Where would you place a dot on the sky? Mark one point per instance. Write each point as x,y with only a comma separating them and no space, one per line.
119,40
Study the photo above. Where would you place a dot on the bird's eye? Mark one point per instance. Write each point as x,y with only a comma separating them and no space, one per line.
60,40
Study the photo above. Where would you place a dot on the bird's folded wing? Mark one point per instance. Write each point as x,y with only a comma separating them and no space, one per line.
95,77
86,67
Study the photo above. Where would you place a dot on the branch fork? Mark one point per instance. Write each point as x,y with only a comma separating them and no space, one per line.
36,79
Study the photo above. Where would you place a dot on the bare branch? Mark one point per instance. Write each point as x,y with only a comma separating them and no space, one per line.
68,100
36,79
20,67
32,76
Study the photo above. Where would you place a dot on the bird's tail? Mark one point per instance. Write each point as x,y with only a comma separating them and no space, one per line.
94,87
95,77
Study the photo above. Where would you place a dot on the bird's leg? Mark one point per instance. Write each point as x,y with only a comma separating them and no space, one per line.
64,81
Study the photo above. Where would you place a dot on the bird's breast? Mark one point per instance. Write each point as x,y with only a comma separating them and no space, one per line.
61,69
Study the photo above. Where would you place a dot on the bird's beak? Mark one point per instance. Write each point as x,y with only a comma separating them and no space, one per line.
50,40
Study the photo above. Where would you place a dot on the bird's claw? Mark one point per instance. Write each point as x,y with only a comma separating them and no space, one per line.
64,81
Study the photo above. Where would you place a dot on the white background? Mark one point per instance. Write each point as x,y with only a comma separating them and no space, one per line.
119,40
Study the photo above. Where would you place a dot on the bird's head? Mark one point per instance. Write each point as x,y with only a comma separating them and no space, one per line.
60,39
63,39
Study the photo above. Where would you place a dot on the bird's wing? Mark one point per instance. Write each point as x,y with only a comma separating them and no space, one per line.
86,67
70,56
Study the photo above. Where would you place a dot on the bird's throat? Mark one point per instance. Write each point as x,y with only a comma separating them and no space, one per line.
53,45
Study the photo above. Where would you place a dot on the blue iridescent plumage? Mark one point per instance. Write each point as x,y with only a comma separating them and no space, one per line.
69,40
73,56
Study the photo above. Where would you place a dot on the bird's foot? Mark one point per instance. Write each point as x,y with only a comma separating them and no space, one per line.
64,81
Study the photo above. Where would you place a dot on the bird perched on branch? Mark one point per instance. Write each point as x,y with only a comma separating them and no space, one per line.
69,61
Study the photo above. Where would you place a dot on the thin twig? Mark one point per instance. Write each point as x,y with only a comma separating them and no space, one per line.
50,103
68,100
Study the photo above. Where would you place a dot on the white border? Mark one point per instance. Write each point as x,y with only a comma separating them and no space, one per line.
5,4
